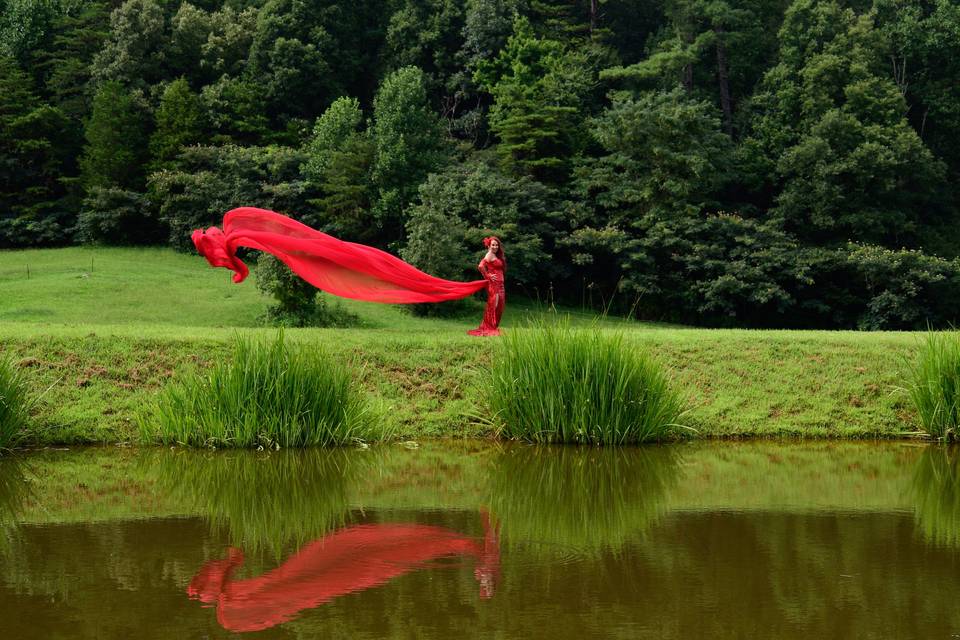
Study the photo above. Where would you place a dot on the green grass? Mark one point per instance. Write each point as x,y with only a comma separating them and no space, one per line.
106,344
934,387
13,403
269,394
552,383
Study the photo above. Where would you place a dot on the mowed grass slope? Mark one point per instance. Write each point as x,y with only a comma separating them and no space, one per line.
99,331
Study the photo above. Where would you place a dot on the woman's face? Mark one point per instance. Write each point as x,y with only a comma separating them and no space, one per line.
495,246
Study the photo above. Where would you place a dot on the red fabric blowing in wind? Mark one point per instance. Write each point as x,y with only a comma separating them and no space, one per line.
344,269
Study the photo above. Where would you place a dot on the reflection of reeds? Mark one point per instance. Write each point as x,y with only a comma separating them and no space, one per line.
551,383
935,385
936,490
581,499
270,394
264,502
13,486
13,403
13,493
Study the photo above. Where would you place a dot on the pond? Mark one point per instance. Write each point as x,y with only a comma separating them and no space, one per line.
467,539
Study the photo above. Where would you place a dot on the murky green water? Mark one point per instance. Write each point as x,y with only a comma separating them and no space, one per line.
825,540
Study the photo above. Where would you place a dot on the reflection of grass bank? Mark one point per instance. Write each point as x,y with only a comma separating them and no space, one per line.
582,499
553,383
936,489
269,394
263,502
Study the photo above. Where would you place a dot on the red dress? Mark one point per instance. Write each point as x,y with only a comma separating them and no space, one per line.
492,270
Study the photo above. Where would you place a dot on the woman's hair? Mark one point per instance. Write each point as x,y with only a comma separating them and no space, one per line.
488,240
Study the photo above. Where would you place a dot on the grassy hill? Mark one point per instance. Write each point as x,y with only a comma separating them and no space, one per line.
100,330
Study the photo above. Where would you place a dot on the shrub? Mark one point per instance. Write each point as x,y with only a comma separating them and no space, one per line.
269,395
934,387
14,404
551,383
115,216
904,289
297,303
209,181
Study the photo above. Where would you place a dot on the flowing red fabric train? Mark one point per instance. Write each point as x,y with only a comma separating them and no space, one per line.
344,269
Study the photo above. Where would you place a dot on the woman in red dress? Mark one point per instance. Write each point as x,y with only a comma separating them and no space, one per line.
492,266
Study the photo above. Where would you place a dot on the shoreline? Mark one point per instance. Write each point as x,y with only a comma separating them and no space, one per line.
741,384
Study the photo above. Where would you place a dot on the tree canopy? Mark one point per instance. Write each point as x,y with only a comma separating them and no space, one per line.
749,163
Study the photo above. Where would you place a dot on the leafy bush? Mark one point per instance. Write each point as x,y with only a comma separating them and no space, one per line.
464,203
720,269
934,387
551,383
297,302
14,403
904,289
269,395
116,216
213,180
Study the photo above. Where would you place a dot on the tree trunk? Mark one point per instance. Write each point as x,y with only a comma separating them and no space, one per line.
724,81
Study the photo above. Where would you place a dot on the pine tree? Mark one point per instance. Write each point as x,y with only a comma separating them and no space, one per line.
33,209
180,120
409,144
832,138
116,141
537,89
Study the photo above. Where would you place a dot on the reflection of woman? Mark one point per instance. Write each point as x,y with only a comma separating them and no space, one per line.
343,562
492,266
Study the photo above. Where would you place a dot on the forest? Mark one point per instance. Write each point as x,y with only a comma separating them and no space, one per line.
768,163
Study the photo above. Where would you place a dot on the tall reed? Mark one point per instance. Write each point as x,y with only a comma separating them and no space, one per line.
551,383
270,394
14,404
934,387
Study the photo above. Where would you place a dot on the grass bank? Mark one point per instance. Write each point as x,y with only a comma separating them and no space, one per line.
99,332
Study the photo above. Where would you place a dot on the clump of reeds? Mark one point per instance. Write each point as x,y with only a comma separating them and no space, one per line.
270,394
935,385
552,383
14,403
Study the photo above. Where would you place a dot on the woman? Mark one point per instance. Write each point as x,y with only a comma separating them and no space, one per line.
492,266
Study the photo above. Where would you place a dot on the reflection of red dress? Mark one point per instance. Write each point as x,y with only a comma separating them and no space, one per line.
496,298
346,561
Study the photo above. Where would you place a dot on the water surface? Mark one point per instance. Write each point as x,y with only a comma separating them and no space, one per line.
763,540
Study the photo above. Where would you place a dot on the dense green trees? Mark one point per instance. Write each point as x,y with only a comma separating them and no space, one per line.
758,162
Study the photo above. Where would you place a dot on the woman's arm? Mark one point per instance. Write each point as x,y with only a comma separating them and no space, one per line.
483,263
